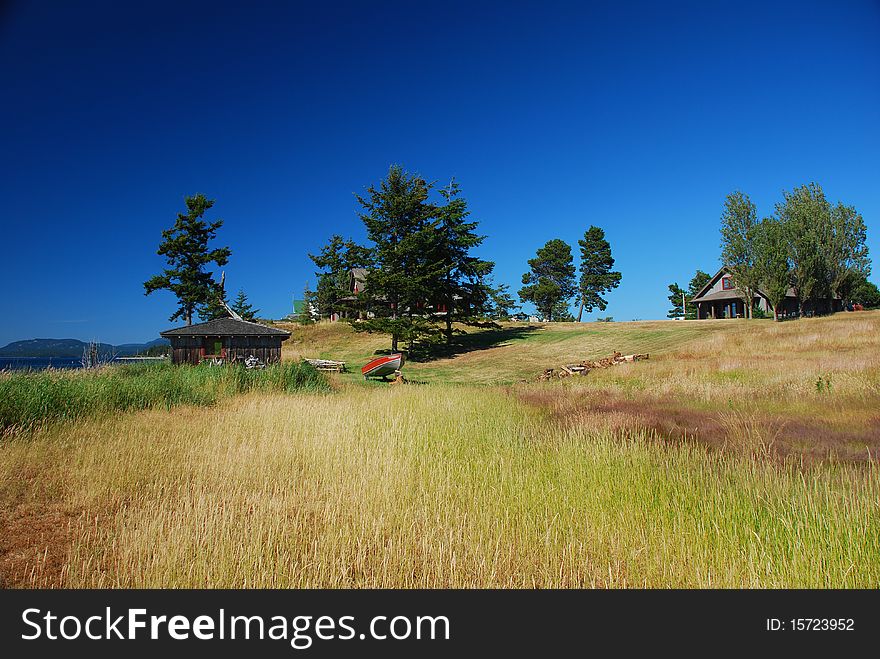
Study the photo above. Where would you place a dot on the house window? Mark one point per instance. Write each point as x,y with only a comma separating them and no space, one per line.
726,283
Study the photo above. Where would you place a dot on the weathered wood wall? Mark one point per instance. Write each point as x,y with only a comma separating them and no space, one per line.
190,349
265,348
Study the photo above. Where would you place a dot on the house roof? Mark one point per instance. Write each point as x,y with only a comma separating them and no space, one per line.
729,294
226,327
360,274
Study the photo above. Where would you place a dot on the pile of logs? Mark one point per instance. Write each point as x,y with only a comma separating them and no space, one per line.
584,367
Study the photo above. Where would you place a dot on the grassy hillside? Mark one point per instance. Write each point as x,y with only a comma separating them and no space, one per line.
741,454
516,352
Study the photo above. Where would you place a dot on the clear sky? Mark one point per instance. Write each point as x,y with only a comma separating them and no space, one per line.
636,117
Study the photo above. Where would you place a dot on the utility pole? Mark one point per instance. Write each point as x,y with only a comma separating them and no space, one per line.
684,312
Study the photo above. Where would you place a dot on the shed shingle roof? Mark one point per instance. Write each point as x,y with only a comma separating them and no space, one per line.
226,327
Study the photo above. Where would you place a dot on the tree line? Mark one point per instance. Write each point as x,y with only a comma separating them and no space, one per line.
808,245
422,280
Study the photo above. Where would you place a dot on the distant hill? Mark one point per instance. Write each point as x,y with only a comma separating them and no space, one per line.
72,348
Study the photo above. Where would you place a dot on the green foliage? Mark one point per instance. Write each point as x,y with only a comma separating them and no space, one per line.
738,222
771,261
461,285
185,246
866,293
336,260
29,400
698,281
818,249
213,308
503,303
243,308
597,277
847,252
605,319
805,214
304,315
550,283
421,271
399,222
676,294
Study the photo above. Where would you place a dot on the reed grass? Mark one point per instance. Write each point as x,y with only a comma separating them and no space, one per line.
457,487
29,400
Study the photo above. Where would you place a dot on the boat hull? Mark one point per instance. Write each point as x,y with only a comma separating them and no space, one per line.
382,366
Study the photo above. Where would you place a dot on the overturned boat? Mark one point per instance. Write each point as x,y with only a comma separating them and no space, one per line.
382,366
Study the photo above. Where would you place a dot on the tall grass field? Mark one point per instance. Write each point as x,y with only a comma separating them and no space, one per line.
31,399
741,454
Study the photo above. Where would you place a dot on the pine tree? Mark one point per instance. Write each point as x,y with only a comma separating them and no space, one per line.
185,246
503,304
596,274
460,287
213,308
550,282
698,281
243,308
336,260
398,219
676,297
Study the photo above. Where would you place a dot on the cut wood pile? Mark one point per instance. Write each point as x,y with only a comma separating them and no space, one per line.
327,365
584,367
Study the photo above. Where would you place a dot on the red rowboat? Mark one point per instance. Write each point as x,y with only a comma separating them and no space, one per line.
382,366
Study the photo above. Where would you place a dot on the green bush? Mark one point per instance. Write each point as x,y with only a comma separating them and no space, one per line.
28,400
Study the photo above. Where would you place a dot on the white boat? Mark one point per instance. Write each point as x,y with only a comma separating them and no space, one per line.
382,366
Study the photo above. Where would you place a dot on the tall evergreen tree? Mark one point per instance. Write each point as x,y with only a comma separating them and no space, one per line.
597,277
399,222
676,299
503,304
461,286
185,246
336,260
698,281
243,308
214,307
738,221
550,281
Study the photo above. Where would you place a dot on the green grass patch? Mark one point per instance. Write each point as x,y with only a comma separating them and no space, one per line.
29,400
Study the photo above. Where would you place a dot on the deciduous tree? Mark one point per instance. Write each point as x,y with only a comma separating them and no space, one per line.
738,221
771,261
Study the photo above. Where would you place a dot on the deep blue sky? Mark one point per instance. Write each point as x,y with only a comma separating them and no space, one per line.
637,117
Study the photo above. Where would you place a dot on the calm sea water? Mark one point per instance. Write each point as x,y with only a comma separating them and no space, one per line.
38,363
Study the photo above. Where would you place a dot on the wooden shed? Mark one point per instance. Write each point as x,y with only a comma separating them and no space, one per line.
227,339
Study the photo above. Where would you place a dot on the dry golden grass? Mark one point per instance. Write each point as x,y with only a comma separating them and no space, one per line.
466,486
